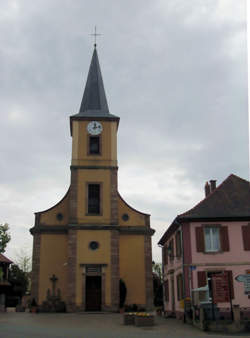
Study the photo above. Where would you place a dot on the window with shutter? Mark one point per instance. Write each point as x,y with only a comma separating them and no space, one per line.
246,237
166,290
200,244
171,246
165,255
178,244
231,282
202,278
224,240
179,284
212,239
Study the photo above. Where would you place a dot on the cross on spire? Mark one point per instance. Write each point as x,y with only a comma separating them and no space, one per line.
95,34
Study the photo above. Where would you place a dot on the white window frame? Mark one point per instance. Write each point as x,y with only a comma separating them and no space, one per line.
212,239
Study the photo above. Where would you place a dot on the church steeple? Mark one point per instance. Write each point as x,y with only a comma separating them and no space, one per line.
94,100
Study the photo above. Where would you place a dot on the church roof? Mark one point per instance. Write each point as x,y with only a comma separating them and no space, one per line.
231,199
94,102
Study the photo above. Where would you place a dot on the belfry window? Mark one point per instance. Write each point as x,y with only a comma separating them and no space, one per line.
94,145
94,199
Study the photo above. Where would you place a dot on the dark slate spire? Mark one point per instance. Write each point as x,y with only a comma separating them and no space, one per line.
94,98
94,103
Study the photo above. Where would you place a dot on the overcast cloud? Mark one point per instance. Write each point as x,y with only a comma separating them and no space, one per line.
174,71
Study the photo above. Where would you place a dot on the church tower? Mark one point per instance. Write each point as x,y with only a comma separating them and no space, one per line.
92,239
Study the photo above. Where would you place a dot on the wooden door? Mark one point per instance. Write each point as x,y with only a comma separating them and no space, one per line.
93,293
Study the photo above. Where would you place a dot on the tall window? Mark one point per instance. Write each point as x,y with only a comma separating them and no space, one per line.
94,145
178,244
166,290
179,282
171,249
165,255
94,198
212,239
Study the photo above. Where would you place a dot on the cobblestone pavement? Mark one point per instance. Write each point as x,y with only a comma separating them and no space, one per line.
28,325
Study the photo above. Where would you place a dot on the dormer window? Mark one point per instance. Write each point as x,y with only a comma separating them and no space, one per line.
94,145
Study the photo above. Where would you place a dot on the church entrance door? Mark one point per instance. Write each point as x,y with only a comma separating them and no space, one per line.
93,293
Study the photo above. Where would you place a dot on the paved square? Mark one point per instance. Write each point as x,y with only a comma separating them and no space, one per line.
81,325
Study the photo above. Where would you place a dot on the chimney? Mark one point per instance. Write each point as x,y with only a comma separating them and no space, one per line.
212,185
207,189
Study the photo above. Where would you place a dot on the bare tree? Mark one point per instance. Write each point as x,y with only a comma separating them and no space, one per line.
23,260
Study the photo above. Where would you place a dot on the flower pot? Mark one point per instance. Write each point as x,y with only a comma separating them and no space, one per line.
144,320
33,309
129,319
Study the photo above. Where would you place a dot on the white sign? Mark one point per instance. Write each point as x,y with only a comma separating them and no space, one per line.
246,280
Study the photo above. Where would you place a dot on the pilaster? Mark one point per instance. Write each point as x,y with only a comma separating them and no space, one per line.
148,272
114,197
35,267
72,249
115,271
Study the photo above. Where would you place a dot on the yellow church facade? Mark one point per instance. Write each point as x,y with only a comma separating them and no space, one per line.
92,239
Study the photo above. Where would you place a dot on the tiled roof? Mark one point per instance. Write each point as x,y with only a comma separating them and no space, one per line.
231,199
4,259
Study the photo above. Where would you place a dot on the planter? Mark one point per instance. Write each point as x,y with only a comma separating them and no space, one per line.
20,308
129,319
33,309
144,320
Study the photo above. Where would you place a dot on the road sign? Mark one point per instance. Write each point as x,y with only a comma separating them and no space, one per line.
243,278
220,285
246,280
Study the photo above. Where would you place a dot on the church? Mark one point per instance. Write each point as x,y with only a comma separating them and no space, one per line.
92,241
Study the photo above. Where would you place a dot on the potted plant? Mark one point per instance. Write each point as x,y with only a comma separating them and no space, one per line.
33,306
144,319
129,318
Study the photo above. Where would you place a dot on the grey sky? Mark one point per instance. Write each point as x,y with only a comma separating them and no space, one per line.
174,71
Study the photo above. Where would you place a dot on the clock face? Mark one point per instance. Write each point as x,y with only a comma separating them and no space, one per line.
94,128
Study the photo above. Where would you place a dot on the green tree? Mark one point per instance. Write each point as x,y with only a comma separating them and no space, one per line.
23,261
157,269
157,283
18,279
4,237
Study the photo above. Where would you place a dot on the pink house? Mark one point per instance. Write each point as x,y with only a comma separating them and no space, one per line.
211,240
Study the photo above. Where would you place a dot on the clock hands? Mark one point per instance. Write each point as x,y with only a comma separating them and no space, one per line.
96,127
